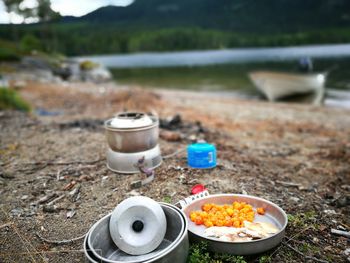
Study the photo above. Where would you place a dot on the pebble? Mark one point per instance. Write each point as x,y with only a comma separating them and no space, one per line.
24,197
341,228
50,209
347,252
104,180
295,199
182,179
16,212
70,213
342,201
133,193
329,212
136,184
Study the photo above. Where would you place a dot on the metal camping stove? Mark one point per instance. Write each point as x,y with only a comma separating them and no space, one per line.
131,137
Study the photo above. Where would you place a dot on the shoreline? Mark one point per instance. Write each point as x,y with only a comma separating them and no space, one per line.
217,57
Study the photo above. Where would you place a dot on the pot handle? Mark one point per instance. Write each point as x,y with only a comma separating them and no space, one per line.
188,200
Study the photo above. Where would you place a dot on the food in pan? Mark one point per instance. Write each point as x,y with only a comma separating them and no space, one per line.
232,223
223,215
260,211
250,231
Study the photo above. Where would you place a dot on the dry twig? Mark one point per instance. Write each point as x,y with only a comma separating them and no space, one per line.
66,163
301,254
56,200
5,225
59,242
288,184
46,198
173,154
340,233
290,239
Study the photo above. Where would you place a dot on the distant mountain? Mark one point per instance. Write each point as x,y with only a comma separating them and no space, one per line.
165,25
233,15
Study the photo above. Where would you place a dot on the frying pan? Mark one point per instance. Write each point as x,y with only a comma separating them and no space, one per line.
274,215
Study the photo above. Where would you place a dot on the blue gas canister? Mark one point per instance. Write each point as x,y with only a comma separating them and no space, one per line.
201,155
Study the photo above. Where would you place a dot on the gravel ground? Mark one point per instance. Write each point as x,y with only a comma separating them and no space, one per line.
296,156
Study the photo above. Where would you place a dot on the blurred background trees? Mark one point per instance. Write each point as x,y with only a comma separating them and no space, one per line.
165,25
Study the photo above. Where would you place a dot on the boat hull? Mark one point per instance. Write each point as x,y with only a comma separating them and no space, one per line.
276,86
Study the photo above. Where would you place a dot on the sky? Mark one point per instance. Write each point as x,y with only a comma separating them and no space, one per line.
64,7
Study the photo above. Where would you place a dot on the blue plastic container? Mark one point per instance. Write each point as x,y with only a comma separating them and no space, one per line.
201,155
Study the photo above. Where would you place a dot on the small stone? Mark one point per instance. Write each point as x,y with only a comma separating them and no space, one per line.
133,193
341,228
347,252
50,209
104,180
315,240
24,197
182,179
328,248
342,201
170,136
70,213
16,212
329,212
136,184
294,199
323,227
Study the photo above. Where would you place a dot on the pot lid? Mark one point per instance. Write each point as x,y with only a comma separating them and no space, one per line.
127,120
138,225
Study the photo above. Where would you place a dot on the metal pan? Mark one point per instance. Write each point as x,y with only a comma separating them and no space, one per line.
274,215
131,140
99,246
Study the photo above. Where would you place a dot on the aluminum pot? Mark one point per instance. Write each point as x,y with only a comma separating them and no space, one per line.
138,225
274,215
99,246
131,140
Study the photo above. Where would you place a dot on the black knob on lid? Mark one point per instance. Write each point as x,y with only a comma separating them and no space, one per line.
137,226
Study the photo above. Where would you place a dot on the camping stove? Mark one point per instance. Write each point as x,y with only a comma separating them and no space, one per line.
133,142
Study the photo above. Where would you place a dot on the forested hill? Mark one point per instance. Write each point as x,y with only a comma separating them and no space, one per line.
238,15
166,25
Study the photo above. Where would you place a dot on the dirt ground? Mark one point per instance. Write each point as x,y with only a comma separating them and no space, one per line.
55,184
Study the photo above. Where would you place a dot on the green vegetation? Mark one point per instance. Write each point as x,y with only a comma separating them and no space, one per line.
167,199
8,51
302,220
265,259
308,248
10,100
83,38
30,43
159,25
87,65
199,254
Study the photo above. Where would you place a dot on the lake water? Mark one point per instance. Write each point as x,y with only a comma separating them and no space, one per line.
227,70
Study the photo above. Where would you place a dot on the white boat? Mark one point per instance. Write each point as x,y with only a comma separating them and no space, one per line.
278,85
